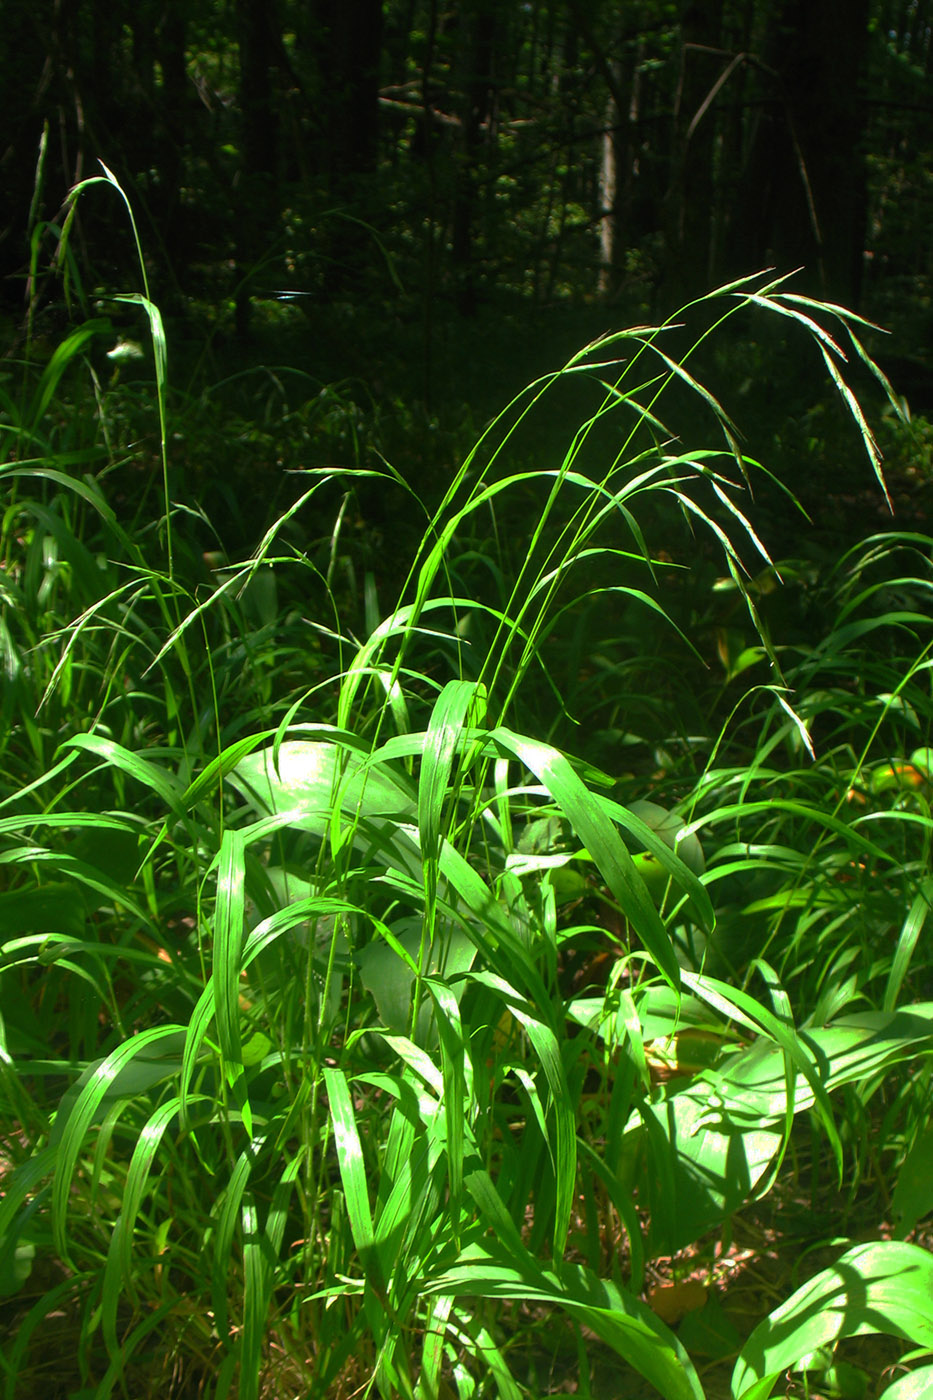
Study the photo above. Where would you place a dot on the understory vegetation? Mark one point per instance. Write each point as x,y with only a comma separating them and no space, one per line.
426,938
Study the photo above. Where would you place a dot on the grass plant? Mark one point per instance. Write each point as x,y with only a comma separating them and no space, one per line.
352,1027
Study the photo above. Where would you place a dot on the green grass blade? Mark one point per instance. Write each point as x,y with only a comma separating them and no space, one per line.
600,838
907,942
120,1250
143,770
229,1214
457,1075
117,1076
456,706
350,1161
255,1302
563,1149
229,924
624,1323
432,1356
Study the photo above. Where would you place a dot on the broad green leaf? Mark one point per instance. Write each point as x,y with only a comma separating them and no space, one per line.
736,1004
672,831
916,1385
881,1287
710,1331
674,856
325,787
52,908
388,970
913,1193
86,876
718,1136
310,773
701,1167
16,1259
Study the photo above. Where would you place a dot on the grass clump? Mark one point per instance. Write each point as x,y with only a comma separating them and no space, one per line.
353,1026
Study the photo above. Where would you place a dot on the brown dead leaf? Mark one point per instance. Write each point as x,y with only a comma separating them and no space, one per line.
672,1301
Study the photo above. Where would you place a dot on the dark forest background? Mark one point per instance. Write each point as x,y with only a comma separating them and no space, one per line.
436,201
444,153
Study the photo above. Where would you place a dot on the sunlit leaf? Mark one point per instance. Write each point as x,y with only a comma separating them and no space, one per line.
883,1287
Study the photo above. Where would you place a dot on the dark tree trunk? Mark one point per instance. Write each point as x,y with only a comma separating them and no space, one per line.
478,97
59,91
343,39
690,199
354,49
802,201
172,121
25,80
258,184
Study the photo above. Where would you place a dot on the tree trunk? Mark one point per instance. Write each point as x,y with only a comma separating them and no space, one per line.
344,38
690,202
802,201
354,49
477,103
256,195
172,125
24,81
608,186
